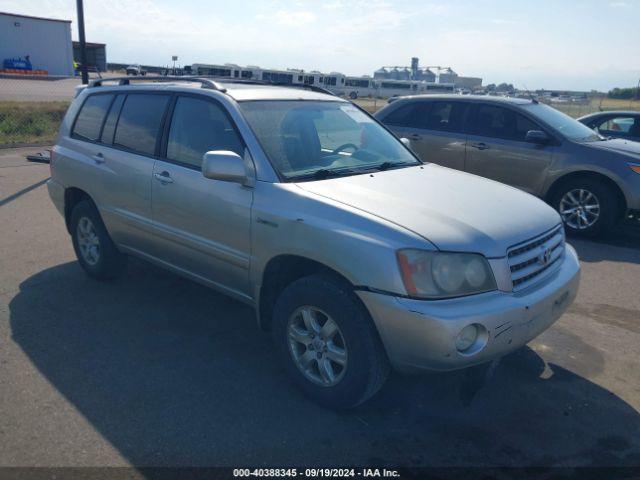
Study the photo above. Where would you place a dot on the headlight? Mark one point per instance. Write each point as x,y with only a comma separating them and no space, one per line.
441,275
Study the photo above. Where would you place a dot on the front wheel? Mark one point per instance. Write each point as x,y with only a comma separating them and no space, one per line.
328,343
587,207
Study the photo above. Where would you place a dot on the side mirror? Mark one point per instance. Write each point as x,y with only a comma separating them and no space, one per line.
224,165
406,142
538,137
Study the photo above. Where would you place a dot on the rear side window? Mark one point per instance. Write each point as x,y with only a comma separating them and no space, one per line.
446,116
89,120
197,127
139,124
112,117
500,122
412,115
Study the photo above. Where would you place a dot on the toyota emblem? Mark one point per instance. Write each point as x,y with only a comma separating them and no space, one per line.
545,256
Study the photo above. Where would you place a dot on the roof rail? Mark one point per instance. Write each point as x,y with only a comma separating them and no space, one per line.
250,81
204,82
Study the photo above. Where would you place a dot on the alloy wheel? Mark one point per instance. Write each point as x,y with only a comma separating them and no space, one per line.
317,346
579,208
88,241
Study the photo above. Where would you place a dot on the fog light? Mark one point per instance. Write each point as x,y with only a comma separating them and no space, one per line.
466,337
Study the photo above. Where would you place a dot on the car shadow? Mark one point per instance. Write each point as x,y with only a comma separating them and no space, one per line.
620,245
173,374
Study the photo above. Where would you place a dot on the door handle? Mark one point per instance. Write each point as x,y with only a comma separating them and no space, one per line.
98,158
415,136
480,146
164,177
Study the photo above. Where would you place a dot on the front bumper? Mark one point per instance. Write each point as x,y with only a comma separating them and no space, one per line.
420,334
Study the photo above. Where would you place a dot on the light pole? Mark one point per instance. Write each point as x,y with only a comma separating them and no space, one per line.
83,43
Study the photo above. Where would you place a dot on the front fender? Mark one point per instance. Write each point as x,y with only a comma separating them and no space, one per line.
286,220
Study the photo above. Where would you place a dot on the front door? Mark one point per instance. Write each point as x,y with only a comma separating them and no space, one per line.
202,225
496,148
619,126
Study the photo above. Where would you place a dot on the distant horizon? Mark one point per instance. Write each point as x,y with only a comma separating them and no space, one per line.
484,84
579,46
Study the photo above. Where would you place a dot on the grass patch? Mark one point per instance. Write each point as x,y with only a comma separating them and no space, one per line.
30,122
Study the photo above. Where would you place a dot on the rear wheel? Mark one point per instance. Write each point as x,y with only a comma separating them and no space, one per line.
94,248
587,207
328,343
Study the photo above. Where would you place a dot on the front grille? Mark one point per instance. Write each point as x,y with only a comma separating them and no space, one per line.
528,261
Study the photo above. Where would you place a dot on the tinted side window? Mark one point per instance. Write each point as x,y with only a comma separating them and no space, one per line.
91,116
499,122
112,117
198,126
139,124
446,116
616,125
412,115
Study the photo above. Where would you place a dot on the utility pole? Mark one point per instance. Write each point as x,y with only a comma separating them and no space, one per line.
83,43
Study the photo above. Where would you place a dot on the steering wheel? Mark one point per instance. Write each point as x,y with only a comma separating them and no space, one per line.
344,147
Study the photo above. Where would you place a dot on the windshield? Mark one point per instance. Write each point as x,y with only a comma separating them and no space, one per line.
563,123
308,139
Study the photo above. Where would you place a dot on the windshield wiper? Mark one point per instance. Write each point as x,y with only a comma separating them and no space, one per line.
324,173
388,165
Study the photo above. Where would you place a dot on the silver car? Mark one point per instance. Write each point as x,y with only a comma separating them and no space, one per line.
356,255
593,181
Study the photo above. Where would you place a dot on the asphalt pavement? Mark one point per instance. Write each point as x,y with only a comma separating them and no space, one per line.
155,370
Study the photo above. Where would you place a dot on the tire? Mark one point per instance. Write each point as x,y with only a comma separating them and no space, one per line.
87,231
353,95
593,192
366,366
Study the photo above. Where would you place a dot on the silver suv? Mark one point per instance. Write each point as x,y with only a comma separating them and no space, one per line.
354,254
593,181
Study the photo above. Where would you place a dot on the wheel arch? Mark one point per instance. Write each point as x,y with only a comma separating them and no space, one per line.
73,196
582,174
281,271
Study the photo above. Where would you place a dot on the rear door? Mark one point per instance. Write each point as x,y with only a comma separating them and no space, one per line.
434,128
89,170
202,226
130,142
496,148
405,115
438,135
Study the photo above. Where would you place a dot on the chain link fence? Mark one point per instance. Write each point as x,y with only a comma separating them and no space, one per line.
31,109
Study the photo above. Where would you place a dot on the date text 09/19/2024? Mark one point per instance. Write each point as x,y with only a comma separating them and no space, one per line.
316,472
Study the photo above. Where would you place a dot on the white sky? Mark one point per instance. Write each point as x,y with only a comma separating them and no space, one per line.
559,44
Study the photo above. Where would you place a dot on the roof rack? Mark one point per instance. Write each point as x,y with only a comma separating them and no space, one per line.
204,82
249,81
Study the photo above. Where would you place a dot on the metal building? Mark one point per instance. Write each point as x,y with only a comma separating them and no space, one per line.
96,55
47,42
468,82
447,76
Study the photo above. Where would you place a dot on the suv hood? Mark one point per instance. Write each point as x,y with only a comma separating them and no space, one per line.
618,145
455,211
